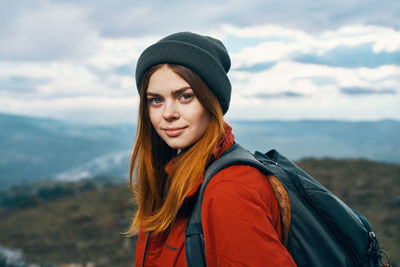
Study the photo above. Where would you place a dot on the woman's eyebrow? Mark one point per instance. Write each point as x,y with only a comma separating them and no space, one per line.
180,91
152,94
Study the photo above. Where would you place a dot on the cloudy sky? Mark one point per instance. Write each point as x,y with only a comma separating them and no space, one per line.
296,59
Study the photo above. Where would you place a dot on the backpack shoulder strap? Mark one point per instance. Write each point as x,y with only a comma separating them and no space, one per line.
194,237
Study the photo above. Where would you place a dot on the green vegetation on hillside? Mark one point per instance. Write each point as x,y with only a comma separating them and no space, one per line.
84,226
84,222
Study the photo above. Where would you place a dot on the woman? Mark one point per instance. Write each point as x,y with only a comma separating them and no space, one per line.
184,92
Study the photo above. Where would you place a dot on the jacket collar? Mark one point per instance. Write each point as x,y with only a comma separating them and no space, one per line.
225,143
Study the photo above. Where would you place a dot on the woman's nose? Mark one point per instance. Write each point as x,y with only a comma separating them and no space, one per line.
170,111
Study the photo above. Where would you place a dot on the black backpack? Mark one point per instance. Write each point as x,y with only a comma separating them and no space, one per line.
318,228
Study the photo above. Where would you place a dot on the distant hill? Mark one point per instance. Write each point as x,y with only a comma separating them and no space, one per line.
82,222
374,140
32,148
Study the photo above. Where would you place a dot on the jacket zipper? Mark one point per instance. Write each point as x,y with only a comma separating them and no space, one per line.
300,188
145,248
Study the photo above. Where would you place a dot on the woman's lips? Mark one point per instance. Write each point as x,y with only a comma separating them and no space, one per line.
173,132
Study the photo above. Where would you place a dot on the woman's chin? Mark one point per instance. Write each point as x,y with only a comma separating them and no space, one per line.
177,145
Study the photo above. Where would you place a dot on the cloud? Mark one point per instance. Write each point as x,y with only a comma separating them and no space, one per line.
320,107
321,88
364,91
86,109
358,56
276,95
350,46
126,18
75,60
19,84
139,18
46,31
256,67
114,54
312,78
321,80
57,80
57,30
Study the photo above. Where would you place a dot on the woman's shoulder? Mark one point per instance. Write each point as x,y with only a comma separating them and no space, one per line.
240,181
241,174
241,192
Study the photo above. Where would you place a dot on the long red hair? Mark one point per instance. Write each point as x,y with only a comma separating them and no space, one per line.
159,195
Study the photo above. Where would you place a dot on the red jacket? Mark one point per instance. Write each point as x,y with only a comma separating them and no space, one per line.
241,223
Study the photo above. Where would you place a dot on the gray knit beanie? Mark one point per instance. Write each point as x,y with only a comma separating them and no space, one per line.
204,55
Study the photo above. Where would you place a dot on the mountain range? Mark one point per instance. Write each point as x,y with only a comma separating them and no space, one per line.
33,149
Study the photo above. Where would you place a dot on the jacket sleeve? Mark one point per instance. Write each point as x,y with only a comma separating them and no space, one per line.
241,220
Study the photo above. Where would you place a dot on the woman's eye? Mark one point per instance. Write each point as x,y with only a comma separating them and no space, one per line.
186,97
155,100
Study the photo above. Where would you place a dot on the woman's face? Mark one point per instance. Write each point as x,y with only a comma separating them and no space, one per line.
175,112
